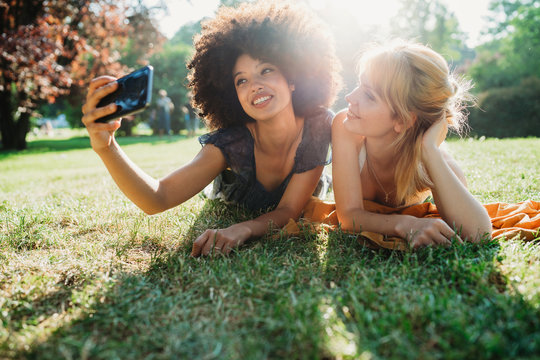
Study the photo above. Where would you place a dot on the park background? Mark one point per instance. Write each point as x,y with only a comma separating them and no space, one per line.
84,274
52,49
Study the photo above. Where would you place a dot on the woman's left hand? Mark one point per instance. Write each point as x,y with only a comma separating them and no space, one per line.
220,241
435,135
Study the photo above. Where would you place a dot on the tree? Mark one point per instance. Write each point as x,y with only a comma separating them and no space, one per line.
186,33
170,73
514,52
50,46
431,23
42,43
144,39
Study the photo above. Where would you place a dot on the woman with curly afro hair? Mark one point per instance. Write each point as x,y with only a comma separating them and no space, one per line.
263,76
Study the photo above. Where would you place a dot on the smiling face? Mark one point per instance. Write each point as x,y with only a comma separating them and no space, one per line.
261,88
368,114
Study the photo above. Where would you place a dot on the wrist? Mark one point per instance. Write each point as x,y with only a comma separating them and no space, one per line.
110,147
430,152
243,230
404,227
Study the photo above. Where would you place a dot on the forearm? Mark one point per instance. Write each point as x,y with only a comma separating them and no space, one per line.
455,203
276,219
358,220
138,186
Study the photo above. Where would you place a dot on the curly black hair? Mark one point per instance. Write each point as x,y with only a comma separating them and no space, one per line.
287,35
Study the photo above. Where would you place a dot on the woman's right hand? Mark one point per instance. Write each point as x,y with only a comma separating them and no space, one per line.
101,134
426,231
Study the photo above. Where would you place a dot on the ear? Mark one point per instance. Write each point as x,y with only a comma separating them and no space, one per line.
291,86
400,125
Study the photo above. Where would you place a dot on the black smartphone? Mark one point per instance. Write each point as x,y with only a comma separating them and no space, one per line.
133,94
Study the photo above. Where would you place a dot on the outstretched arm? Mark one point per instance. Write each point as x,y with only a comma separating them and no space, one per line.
455,203
295,198
150,194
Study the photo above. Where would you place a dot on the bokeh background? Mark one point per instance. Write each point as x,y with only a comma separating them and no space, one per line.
50,50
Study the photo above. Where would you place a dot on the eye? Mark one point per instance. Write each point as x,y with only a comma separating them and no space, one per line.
240,81
369,95
266,70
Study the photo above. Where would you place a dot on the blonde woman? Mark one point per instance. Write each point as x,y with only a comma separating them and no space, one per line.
386,148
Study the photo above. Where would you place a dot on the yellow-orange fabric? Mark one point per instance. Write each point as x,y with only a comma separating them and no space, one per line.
508,220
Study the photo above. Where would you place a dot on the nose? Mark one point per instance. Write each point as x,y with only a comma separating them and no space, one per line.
350,96
256,84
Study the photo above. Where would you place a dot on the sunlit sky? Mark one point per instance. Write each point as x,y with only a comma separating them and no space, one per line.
470,13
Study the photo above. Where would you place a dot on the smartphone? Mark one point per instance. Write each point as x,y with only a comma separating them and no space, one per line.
134,94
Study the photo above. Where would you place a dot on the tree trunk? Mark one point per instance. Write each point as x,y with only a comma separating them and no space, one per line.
13,132
6,120
21,129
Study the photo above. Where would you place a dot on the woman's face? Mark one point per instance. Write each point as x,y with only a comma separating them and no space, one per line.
261,88
368,114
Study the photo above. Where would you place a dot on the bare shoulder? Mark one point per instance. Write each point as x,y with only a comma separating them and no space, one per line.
339,130
210,157
337,122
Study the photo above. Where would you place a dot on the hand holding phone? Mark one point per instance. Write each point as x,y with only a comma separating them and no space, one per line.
133,95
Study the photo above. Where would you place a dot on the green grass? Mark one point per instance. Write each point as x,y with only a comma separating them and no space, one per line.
85,274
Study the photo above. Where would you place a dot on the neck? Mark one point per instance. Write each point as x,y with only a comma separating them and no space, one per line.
380,152
276,135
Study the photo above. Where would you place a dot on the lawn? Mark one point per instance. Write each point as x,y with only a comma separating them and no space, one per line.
86,274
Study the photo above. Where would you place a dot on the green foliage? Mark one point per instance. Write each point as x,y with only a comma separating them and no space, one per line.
514,54
72,111
490,68
431,23
170,73
508,111
186,33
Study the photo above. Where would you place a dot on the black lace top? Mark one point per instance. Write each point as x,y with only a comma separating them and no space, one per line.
238,184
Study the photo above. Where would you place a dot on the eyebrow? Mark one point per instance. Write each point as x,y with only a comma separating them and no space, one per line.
363,83
261,62
366,86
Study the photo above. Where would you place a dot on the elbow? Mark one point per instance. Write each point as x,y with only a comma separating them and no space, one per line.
154,205
152,210
348,221
347,224
286,213
484,231
481,231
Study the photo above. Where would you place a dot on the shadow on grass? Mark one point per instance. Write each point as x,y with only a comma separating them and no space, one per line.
254,303
83,142
431,303
317,296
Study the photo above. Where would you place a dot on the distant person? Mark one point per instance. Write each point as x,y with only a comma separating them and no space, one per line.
152,120
47,128
191,120
265,97
164,108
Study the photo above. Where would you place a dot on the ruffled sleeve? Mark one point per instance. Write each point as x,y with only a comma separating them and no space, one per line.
235,143
314,150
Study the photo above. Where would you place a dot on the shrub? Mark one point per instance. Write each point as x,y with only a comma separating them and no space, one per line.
509,111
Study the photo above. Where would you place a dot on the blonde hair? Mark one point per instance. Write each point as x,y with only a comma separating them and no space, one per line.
417,85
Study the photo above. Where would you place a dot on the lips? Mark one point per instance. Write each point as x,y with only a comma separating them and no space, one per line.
261,99
351,114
